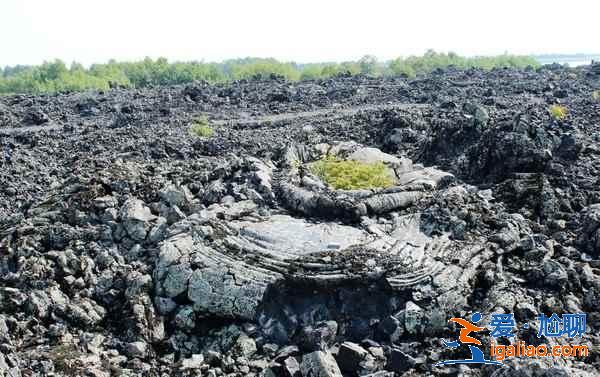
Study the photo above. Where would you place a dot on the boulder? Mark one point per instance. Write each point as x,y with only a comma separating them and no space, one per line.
399,361
176,195
317,337
350,355
194,362
136,218
390,329
591,229
414,318
291,367
319,364
136,349
244,346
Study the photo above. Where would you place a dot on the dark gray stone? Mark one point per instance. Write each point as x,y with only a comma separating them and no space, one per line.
319,364
399,361
317,337
350,355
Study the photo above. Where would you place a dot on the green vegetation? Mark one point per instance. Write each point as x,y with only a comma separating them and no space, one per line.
558,112
201,128
414,65
596,95
57,77
352,175
249,68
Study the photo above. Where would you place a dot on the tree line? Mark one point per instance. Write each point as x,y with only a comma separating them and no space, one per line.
56,76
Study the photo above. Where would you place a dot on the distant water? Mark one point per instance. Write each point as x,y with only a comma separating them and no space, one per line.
575,61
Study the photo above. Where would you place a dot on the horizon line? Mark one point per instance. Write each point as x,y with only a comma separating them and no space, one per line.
291,61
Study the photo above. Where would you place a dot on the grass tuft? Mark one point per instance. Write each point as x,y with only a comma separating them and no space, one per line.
352,175
558,112
201,128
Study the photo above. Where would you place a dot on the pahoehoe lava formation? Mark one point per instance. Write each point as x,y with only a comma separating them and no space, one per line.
131,247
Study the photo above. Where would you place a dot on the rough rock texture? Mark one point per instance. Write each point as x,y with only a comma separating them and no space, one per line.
319,364
129,247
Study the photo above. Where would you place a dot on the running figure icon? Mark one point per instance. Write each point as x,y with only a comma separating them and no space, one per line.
464,338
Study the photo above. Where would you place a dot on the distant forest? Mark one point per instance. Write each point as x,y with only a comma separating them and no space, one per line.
56,76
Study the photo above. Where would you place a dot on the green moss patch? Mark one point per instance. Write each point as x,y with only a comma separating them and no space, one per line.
352,175
558,112
201,128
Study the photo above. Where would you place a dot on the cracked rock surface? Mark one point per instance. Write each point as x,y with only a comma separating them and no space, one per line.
130,247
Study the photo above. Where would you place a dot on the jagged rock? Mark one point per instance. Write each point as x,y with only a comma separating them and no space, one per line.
399,361
85,312
385,203
176,281
413,318
244,346
136,349
318,337
105,202
236,210
215,192
291,367
136,218
261,177
555,275
525,311
269,372
158,231
287,351
176,196
591,229
319,364
185,318
379,374
3,365
39,304
478,112
390,329
193,363
164,305
174,214
270,349
231,292
369,155
350,355
36,116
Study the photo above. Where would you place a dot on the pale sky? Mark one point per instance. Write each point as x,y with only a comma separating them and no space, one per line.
86,31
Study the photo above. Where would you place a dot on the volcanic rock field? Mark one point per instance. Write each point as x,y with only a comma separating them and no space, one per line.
129,246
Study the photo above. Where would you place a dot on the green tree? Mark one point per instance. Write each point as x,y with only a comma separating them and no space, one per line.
368,65
55,76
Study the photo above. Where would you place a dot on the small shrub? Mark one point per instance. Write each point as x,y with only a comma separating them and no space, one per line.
596,95
352,175
201,128
558,112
